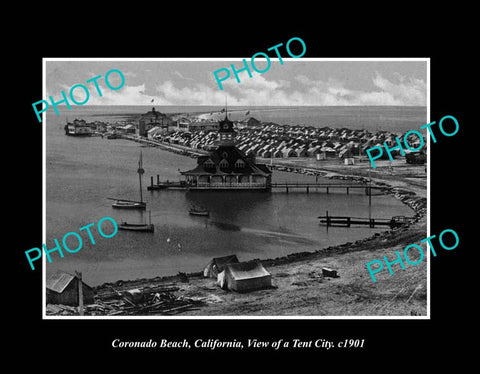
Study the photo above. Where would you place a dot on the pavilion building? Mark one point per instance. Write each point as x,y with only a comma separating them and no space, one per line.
226,167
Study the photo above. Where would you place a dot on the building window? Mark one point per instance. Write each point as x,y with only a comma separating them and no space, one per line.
208,164
239,164
223,164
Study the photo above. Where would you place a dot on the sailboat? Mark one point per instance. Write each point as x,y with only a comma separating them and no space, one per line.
145,227
131,204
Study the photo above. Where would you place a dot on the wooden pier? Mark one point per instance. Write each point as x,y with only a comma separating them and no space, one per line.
327,187
287,186
172,185
343,221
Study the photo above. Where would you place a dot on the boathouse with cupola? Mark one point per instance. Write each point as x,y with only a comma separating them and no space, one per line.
227,167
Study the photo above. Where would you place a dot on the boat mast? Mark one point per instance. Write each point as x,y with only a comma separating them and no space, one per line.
140,172
369,195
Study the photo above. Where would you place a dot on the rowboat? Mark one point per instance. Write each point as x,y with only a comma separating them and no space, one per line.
143,227
198,211
128,204
136,227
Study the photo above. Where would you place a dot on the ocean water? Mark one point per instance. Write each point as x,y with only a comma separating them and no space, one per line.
81,173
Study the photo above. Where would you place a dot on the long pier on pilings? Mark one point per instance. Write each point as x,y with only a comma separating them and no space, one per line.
345,221
327,187
285,186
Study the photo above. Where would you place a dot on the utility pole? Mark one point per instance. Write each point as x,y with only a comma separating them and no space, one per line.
80,292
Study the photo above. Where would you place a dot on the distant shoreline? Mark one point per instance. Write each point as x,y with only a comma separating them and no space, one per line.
353,120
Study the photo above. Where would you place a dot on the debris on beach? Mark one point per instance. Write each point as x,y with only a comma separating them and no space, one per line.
327,272
147,300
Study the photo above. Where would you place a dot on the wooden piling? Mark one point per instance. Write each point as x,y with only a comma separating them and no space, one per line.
151,180
158,179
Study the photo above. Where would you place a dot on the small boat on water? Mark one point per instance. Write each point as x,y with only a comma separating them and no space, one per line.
128,204
142,227
198,211
136,227
132,204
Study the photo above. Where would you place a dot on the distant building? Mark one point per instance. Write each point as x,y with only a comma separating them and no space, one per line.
248,122
415,157
127,129
155,132
183,123
227,167
152,119
201,126
100,126
62,288
78,128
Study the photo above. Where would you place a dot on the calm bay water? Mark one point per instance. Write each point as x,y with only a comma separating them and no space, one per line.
82,172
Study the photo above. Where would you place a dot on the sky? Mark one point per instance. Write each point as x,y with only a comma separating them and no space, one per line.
301,81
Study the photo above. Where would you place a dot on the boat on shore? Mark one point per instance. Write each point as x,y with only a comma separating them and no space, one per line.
199,211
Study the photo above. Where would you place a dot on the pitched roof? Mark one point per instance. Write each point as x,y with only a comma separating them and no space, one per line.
222,261
247,270
231,154
59,281
225,125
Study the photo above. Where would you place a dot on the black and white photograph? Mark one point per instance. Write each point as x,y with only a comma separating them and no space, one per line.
183,193
171,197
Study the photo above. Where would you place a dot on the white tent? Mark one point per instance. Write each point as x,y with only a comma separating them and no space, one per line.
244,277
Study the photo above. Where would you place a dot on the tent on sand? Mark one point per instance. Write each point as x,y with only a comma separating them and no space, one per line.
217,265
244,277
